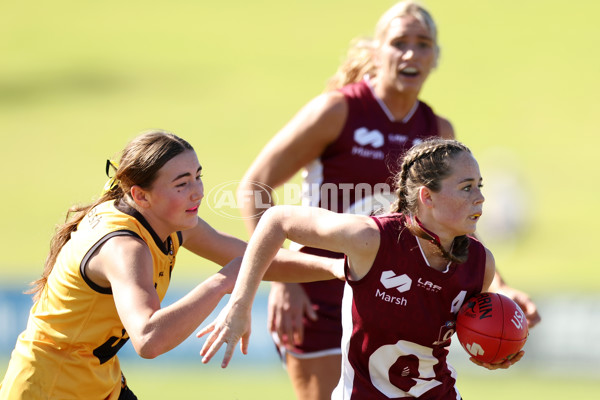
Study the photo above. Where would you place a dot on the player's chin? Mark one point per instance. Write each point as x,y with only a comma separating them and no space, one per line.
467,230
470,226
189,222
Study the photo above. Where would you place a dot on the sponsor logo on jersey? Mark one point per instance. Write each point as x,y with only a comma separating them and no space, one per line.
397,138
373,138
366,153
365,137
428,285
401,283
401,139
389,280
446,332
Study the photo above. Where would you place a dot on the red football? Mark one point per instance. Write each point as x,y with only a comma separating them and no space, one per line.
491,327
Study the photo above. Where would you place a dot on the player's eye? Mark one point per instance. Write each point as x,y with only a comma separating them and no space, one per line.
425,45
399,44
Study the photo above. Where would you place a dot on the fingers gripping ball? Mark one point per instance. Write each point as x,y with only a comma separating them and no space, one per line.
491,327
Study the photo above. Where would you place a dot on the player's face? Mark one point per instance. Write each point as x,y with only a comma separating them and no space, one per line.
176,195
406,55
459,204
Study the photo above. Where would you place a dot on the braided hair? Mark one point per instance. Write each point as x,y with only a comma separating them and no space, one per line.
427,164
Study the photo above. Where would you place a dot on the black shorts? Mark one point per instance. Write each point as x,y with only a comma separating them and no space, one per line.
126,393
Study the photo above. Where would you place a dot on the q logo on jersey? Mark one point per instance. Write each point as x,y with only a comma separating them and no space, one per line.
363,136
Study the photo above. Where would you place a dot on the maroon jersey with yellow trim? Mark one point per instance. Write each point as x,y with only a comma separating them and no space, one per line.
398,320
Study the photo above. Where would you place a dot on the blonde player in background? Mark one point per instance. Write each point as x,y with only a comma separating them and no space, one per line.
347,141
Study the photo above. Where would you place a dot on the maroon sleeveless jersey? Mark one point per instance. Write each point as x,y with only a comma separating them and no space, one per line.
398,320
364,158
355,174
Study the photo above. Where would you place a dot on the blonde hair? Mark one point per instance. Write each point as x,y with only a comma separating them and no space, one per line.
359,59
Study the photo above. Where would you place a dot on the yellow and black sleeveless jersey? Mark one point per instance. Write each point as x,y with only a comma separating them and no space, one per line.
68,350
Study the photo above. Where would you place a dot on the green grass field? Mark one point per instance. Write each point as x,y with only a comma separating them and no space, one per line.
271,384
196,381
78,79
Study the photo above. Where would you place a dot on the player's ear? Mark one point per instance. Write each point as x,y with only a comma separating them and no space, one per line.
140,196
425,196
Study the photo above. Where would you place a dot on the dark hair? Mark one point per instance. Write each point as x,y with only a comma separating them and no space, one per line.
427,164
140,162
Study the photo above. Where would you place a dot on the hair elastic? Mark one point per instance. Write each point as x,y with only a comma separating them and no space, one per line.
112,182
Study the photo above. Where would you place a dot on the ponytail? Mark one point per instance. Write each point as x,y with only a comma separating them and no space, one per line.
358,63
63,233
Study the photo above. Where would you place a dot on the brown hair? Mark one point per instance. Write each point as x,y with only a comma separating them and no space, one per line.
427,164
140,162
359,60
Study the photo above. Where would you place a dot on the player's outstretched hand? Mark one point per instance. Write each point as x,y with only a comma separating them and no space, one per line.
231,325
503,365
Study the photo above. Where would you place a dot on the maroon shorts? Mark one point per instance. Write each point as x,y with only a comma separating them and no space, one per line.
324,335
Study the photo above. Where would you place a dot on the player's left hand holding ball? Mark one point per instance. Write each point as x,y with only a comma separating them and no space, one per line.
503,365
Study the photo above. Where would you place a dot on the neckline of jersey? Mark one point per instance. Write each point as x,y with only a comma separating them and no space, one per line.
427,261
385,108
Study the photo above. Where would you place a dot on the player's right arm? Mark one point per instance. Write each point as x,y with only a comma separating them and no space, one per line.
124,263
302,140
357,236
490,271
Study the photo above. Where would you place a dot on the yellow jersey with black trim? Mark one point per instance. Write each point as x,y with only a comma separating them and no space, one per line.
68,350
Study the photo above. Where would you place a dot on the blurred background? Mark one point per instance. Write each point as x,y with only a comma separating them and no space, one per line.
518,79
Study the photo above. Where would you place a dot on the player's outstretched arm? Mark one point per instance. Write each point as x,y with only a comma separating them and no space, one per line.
357,236
234,321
